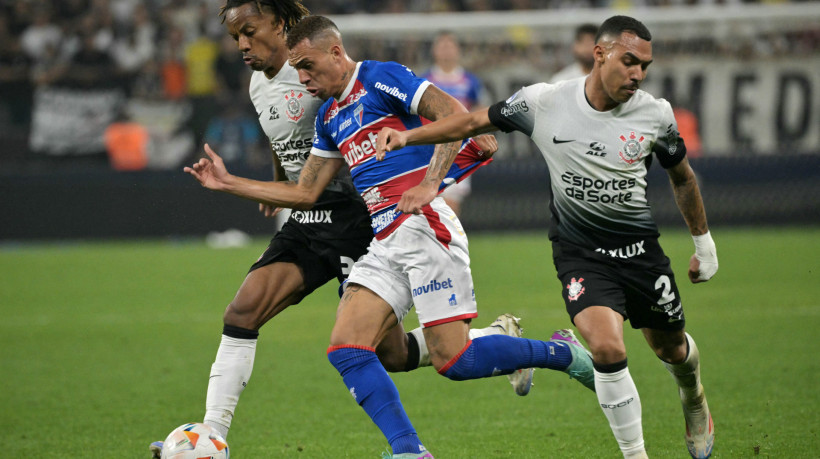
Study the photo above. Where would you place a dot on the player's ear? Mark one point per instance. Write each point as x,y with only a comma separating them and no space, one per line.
337,52
599,53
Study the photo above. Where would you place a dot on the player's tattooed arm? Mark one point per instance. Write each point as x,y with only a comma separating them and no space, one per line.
688,197
435,104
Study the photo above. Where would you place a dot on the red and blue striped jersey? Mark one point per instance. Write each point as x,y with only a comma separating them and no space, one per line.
383,94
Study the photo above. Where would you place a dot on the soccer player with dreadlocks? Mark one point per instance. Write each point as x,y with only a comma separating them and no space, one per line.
315,245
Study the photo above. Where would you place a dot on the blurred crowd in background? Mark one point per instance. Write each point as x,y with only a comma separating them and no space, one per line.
426,6
169,78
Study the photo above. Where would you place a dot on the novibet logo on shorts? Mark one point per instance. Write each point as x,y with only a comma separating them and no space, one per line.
433,286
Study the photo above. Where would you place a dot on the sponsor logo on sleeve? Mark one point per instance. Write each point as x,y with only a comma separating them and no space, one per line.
512,108
391,90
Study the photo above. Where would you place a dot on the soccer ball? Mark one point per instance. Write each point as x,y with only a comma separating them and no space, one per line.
195,441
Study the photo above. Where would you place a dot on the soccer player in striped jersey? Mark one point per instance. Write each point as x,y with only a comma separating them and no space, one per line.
599,135
419,255
318,243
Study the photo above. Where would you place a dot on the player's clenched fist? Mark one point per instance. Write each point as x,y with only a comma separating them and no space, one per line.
389,140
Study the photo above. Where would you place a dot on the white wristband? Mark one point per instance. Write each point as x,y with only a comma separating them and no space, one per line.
706,253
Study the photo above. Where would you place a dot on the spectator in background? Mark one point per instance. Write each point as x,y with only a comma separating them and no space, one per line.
147,83
15,86
689,129
41,34
131,52
448,75
127,144
232,72
172,64
236,135
200,65
581,52
89,67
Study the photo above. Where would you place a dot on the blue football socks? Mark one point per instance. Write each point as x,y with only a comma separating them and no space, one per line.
501,354
373,389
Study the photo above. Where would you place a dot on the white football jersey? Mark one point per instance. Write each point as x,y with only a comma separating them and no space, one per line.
598,161
287,113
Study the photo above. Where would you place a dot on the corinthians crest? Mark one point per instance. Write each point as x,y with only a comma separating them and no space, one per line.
295,110
632,150
575,289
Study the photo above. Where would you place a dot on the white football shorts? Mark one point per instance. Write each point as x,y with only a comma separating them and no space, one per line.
425,262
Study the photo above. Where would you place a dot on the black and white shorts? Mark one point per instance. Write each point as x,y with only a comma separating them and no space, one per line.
324,242
641,288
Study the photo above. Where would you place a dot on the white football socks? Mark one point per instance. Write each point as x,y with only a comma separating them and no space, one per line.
619,400
424,353
692,397
687,374
229,376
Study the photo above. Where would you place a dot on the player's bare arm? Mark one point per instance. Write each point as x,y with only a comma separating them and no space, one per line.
315,176
434,105
454,127
703,264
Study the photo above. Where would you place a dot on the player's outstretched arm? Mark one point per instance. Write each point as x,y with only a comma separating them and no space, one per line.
316,175
449,129
704,263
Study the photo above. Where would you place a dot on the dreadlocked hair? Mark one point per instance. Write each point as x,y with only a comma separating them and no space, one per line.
289,11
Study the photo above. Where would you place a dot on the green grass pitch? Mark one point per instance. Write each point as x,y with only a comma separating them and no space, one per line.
105,347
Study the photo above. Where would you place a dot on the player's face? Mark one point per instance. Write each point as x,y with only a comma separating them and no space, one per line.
446,51
259,37
623,65
319,68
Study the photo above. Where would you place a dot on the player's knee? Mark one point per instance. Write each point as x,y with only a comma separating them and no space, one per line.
391,362
242,315
607,351
673,354
670,347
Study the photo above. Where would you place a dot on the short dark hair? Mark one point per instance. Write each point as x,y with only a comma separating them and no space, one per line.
289,11
309,28
586,29
616,25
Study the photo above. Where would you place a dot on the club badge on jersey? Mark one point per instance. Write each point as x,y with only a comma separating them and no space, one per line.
295,110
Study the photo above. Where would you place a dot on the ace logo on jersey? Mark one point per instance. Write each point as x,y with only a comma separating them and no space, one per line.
632,150
295,109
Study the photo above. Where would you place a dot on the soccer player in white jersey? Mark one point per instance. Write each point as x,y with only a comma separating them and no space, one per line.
315,245
419,255
598,136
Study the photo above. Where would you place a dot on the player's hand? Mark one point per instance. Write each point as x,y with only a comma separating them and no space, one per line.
389,140
487,143
704,263
212,173
268,210
413,200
